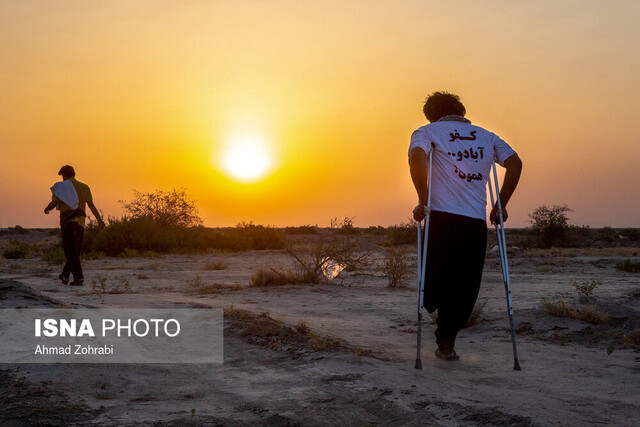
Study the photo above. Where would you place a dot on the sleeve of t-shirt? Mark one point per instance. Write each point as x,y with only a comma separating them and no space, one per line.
89,196
501,150
420,139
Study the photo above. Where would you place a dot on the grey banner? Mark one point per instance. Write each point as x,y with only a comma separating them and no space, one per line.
34,335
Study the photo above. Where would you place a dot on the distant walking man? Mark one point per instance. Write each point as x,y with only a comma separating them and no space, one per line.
462,160
71,197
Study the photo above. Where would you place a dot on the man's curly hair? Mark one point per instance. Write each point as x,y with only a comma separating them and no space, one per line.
440,104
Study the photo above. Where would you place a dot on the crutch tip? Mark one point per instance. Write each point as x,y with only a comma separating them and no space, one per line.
418,364
516,365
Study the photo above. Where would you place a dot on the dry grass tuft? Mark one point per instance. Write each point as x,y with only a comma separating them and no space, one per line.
215,265
215,288
585,313
277,277
262,330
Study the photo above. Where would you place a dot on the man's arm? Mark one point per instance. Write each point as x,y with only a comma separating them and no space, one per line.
52,205
419,172
514,168
95,212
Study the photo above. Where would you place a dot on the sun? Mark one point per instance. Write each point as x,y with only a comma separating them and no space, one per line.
247,158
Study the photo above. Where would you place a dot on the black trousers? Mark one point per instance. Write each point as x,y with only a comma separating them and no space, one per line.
455,260
72,235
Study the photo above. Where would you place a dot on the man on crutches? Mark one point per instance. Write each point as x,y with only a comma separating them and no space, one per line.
451,162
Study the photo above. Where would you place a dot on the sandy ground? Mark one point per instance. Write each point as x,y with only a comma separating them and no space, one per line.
573,373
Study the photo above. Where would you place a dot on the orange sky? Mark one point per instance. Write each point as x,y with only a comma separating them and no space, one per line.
147,94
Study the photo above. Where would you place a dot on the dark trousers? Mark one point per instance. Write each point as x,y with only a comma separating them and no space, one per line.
72,234
455,259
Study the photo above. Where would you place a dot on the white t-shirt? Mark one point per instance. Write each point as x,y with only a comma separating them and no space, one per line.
461,164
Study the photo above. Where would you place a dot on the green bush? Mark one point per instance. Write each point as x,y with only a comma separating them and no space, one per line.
55,255
550,228
173,208
18,250
146,237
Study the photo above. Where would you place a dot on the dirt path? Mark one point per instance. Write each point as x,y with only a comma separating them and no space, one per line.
568,384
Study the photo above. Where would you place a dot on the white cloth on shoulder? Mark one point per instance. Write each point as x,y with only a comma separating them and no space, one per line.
66,192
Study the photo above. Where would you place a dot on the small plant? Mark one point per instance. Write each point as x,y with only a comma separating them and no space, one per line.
196,282
394,267
99,287
628,266
586,287
18,250
215,265
122,286
54,256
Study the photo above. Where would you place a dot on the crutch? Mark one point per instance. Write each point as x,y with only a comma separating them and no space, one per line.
502,248
422,262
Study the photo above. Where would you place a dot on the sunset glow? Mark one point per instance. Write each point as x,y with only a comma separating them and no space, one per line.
247,158
306,108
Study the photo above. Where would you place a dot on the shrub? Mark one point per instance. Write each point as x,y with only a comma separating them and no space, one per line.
345,226
19,229
325,253
303,229
550,226
633,234
275,277
146,237
143,235
18,250
402,234
394,267
607,233
54,256
376,230
628,266
215,265
586,288
170,208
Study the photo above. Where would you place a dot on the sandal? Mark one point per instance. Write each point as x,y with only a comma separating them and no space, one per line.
449,357
63,279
